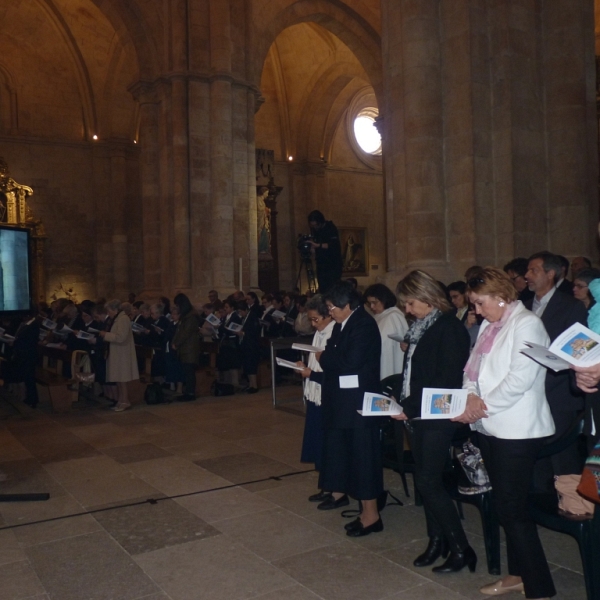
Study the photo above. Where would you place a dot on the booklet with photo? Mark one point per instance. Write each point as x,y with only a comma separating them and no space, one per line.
437,403
48,324
136,327
577,345
396,337
307,348
83,335
213,320
289,364
235,327
378,405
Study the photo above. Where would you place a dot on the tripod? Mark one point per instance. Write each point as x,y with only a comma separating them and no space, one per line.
306,263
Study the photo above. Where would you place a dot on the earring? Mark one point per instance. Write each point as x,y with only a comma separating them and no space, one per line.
501,304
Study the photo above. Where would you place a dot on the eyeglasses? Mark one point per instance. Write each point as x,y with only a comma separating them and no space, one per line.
331,308
516,277
315,319
475,281
580,286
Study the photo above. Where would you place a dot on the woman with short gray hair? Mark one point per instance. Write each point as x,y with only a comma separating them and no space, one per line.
121,364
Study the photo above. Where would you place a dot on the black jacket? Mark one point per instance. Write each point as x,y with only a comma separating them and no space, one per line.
437,362
561,312
355,350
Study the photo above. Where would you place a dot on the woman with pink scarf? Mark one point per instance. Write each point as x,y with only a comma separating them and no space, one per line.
507,407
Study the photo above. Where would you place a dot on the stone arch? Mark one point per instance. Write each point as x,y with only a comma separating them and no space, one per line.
129,24
82,74
338,18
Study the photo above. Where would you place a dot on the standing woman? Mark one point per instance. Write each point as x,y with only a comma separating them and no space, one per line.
121,365
390,320
507,406
435,358
186,343
312,442
352,457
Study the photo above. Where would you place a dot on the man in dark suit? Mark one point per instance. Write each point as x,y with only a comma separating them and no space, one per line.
558,312
562,283
352,463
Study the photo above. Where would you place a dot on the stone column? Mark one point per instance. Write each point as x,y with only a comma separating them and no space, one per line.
413,144
118,184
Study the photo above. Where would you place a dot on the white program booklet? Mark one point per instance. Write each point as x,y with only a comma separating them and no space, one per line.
577,345
396,337
437,403
137,327
278,315
289,364
84,335
235,327
48,324
306,348
378,405
92,330
213,320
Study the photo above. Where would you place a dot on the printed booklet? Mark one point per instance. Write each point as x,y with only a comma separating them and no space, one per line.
378,405
438,403
306,348
578,346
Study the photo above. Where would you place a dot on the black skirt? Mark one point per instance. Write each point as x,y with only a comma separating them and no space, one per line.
352,462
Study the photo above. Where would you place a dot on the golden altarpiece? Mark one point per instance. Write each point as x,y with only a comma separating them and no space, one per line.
14,212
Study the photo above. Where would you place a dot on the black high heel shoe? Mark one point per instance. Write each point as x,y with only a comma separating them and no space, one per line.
437,547
458,560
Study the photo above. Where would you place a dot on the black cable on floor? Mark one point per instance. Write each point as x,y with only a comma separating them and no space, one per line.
156,500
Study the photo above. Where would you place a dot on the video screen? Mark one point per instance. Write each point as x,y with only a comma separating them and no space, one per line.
15,293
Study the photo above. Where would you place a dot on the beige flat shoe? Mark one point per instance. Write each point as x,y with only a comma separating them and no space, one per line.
497,589
121,407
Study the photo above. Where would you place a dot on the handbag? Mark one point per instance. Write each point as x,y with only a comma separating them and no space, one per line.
589,485
570,502
472,464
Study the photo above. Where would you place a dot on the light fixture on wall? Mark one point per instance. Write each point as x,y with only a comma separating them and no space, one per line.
94,137
290,158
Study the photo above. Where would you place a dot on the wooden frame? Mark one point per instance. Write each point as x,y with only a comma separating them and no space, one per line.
355,251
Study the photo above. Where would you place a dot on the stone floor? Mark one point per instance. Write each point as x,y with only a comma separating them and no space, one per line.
231,522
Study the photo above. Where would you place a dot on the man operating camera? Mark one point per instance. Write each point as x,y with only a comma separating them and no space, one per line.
327,249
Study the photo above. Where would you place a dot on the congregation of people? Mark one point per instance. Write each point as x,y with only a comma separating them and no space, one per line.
468,334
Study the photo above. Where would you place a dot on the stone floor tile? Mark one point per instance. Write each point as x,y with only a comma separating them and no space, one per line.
344,571
296,592
81,469
56,446
136,453
107,435
19,580
224,504
277,533
136,416
107,490
294,496
10,550
212,569
174,475
70,568
203,448
151,527
27,476
161,596
568,585
428,591
244,467
79,418
11,448
561,550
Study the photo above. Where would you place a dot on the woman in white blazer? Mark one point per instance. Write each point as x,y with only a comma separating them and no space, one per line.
507,406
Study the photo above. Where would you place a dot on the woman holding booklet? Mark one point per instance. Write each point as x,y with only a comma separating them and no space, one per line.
312,442
507,406
436,355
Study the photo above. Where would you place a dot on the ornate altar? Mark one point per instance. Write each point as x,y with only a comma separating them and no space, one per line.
266,206
15,212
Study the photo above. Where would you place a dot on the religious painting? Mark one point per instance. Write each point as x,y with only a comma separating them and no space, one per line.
355,251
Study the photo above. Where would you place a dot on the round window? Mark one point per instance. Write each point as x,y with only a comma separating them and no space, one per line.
366,133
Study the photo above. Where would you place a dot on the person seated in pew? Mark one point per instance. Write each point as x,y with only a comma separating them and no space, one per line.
98,348
302,324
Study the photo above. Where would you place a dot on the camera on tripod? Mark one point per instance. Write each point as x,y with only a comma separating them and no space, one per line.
304,245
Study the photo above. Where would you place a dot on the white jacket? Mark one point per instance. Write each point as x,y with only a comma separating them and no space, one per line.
511,384
391,320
